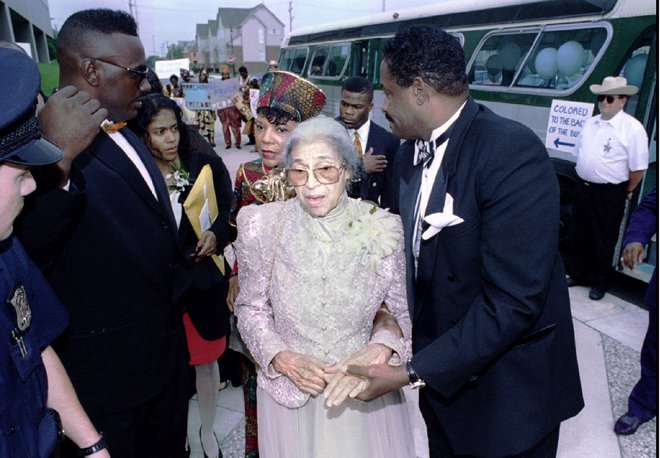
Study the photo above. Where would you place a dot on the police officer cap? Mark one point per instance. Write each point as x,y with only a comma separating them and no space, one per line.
20,137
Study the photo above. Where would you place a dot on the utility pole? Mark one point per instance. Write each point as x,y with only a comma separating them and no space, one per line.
290,16
132,8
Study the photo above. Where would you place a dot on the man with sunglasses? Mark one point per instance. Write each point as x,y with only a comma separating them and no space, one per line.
103,229
612,155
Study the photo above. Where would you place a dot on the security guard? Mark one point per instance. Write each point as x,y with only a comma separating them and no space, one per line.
34,386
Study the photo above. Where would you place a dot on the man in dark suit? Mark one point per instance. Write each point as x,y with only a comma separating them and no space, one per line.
375,145
492,333
103,227
643,400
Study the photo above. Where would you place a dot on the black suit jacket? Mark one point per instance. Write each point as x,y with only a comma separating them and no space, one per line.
206,300
111,253
492,330
378,187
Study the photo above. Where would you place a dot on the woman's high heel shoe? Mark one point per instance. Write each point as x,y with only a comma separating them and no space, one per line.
219,455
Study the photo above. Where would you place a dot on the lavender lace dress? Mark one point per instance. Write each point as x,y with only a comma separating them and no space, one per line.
329,277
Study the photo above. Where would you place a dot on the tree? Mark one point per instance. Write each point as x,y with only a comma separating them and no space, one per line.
151,61
175,51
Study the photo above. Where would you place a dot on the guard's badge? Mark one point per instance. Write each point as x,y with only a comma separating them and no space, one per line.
18,301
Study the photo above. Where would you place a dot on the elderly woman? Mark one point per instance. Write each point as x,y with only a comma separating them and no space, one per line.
314,272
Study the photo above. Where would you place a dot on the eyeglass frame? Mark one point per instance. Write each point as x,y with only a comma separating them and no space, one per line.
140,74
602,98
341,166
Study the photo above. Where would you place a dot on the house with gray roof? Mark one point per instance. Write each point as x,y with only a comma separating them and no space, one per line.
239,36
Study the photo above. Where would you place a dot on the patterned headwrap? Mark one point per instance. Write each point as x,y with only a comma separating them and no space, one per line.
292,94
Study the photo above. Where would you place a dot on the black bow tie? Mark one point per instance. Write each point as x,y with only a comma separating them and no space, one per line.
427,149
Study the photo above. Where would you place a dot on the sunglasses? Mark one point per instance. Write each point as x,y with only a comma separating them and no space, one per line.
609,98
139,73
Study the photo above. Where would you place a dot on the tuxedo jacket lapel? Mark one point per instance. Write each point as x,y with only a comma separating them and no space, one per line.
110,154
409,183
429,249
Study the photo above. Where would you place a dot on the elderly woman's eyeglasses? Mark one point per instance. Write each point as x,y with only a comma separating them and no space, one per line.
327,174
140,72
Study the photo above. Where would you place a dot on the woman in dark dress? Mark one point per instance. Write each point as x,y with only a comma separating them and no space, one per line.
205,319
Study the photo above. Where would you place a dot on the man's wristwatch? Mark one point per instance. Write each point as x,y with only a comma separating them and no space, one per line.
416,381
92,449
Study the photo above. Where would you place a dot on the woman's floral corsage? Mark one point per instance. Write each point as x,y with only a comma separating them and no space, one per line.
110,127
179,177
375,233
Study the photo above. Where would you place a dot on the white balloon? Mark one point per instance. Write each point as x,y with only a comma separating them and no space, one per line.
546,63
494,66
510,53
634,69
570,56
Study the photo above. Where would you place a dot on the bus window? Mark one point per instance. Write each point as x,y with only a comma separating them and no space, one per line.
562,58
554,57
634,66
358,59
318,60
375,57
499,57
299,60
293,59
337,59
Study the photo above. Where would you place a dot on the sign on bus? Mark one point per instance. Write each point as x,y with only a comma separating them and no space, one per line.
565,123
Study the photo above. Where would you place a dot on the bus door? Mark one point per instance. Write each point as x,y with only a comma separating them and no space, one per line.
639,67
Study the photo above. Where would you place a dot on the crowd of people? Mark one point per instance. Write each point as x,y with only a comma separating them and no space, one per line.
349,264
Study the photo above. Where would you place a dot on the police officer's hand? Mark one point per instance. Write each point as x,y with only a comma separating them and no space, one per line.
70,119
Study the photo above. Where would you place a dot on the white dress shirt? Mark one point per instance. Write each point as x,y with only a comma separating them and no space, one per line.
607,151
428,177
126,147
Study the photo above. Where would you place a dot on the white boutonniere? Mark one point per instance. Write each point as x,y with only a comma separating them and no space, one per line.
179,177
438,221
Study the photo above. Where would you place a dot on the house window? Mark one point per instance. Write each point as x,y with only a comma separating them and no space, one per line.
261,36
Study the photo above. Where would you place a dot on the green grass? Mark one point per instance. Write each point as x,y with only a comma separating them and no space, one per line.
50,77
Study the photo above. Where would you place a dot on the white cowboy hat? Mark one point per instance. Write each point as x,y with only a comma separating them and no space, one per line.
614,85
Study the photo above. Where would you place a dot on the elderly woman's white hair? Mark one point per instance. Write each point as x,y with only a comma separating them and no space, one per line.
326,129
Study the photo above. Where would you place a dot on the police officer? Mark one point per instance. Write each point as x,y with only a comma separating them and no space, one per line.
35,386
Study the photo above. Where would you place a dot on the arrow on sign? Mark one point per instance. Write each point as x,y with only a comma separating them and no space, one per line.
558,143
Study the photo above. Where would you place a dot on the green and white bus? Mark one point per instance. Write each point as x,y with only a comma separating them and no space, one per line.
522,55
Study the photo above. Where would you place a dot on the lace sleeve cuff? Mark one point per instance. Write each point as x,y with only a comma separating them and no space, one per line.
396,343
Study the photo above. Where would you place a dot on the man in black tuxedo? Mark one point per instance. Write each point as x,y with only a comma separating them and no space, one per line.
375,145
492,333
103,228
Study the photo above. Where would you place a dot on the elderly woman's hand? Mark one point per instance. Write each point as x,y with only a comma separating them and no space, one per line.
306,372
342,385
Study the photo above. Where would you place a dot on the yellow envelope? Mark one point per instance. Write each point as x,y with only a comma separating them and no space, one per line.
201,207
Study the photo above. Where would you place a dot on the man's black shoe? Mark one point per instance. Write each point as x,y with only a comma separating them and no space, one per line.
627,424
570,281
596,293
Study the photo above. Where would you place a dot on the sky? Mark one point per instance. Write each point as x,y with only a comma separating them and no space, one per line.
163,22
